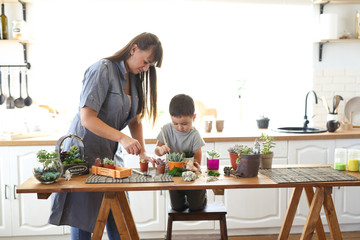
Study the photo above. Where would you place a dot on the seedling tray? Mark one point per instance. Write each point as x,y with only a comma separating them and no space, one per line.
118,172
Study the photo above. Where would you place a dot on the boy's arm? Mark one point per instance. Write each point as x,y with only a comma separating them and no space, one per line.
197,156
161,149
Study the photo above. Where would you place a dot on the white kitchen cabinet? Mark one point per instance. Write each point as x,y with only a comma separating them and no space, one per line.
22,214
246,207
309,152
347,198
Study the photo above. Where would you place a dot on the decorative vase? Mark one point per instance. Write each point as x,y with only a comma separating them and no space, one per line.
175,164
248,166
144,166
233,157
160,169
266,160
213,164
47,170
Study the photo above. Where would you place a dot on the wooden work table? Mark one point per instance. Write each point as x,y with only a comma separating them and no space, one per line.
115,199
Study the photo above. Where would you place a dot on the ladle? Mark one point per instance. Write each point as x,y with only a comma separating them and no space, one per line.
2,96
10,100
28,100
19,102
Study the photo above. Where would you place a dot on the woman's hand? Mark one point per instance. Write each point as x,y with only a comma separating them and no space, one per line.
147,158
132,146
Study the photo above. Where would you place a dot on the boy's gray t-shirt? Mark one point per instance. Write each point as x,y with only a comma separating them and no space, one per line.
178,141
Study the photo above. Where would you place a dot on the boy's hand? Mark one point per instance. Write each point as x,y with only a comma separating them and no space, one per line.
163,150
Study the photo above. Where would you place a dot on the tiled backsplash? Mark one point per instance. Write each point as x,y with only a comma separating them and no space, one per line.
331,82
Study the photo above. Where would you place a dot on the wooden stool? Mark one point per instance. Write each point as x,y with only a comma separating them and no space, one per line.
212,211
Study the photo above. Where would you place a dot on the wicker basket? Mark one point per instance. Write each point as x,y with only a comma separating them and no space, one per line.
75,169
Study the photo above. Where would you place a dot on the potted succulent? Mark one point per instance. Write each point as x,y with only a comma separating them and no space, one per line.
248,162
73,159
213,161
109,163
266,153
144,165
233,154
48,167
262,122
160,165
189,159
175,160
98,162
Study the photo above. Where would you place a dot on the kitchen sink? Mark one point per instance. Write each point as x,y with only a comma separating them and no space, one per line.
299,130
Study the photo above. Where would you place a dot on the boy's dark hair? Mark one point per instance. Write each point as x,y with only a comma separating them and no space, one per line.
182,105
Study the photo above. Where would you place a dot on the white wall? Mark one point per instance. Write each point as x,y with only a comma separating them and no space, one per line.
339,71
209,46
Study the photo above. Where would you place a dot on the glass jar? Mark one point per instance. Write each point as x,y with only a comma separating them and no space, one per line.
47,170
340,159
353,160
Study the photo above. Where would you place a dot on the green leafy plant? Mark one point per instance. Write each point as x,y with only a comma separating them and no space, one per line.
46,157
176,172
213,154
175,157
241,149
49,169
143,161
189,153
108,161
213,173
72,156
268,143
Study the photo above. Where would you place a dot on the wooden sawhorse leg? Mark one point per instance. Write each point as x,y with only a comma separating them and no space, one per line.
321,198
119,206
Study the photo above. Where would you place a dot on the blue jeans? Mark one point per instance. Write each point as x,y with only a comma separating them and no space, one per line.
112,232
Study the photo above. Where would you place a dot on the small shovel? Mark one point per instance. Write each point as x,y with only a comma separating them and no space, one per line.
141,173
338,98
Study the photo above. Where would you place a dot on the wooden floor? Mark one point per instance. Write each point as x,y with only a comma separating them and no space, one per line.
345,235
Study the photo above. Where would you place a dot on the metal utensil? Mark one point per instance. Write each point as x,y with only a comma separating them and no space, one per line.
10,100
2,96
141,173
28,100
19,102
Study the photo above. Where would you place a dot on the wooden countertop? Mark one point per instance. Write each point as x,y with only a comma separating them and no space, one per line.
226,136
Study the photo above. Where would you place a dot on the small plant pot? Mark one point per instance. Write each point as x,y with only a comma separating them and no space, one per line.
248,166
233,157
172,165
144,166
266,160
160,169
263,123
213,164
109,166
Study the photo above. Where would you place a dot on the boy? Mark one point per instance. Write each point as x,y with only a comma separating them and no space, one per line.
180,135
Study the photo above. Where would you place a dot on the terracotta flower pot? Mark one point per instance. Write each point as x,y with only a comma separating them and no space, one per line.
144,166
160,169
266,160
99,165
175,164
109,166
233,157
248,166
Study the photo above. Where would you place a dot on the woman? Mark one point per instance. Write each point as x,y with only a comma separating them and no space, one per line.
114,95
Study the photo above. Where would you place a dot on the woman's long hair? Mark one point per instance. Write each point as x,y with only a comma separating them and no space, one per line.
146,84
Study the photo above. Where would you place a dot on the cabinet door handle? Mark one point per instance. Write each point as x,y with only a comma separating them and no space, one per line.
6,188
15,186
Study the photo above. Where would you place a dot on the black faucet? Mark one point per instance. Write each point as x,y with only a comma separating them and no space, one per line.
306,121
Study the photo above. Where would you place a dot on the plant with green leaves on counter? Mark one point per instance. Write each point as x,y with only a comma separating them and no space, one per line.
268,143
48,168
108,161
72,156
213,154
188,153
175,157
